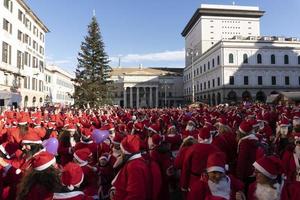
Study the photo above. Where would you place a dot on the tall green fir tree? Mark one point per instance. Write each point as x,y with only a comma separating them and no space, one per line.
92,84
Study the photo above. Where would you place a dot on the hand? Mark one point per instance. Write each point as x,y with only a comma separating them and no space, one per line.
240,196
2,162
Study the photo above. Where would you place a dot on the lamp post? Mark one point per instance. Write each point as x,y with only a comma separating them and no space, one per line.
193,52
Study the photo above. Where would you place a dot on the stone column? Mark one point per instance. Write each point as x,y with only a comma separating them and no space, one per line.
125,98
156,96
151,99
131,98
137,97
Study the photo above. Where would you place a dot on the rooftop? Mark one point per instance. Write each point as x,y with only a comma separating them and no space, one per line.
151,71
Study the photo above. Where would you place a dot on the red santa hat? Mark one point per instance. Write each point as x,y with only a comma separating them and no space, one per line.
105,156
72,175
122,127
296,137
117,139
138,126
205,136
70,127
156,139
31,138
37,122
222,120
154,128
245,127
131,144
171,126
270,166
82,156
216,162
23,120
9,149
86,133
43,160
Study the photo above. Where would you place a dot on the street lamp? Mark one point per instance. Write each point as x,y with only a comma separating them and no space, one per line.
192,52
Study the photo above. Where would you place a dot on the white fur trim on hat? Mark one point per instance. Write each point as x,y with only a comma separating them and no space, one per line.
82,162
205,141
151,129
22,123
46,165
215,169
67,195
242,131
122,148
71,187
32,142
263,171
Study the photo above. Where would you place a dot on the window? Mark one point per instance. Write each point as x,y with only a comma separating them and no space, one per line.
20,15
20,35
230,58
7,26
208,65
6,53
231,80
26,58
287,80
204,68
33,84
201,84
218,60
273,61
19,60
273,80
286,59
213,62
298,60
246,80
34,62
213,83
259,80
8,4
219,82
299,80
258,58
245,58
200,69
197,71
204,85
208,84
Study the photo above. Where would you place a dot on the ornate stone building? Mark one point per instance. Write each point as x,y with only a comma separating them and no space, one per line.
147,87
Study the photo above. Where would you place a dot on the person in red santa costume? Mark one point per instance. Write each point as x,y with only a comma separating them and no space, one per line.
269,184
190,129
195,159
41,181
247,146
135,179
83,157
71,179
291,161
216,185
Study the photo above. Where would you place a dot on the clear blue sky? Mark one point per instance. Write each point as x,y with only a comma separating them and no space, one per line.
142,31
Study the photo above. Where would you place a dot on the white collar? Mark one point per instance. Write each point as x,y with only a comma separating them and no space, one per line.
136,156
67,195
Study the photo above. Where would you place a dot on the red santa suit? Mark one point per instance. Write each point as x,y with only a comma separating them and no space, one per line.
247,147
195,159
225,188
134,180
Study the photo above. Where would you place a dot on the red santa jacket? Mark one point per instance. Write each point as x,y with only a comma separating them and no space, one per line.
200,190
290,163
133,180
247,147
38,192
194,163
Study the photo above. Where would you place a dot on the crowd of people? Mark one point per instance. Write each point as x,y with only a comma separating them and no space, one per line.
246,151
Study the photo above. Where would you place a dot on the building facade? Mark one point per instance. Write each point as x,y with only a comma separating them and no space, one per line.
147,87
58,86
241,66
22,64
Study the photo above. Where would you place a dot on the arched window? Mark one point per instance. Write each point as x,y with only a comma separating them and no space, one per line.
273,61
259,58
230,58
245,58
286,59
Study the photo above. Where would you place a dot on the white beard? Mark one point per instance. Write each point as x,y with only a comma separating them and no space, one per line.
221,189
72,141
297,151
265,192
189,128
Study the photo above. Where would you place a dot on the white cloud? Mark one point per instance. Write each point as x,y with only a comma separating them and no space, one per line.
159,56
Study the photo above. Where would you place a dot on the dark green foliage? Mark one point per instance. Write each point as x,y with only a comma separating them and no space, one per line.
92,84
